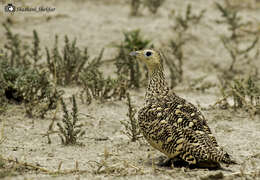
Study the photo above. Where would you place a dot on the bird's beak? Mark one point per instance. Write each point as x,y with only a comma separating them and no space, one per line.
134,53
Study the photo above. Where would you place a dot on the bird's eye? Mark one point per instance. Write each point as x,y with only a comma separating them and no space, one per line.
148,53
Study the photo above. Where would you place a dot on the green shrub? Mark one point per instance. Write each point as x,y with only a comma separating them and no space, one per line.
30,88
153,5
70,130
96,86
66,66
245,93
127,67
131,126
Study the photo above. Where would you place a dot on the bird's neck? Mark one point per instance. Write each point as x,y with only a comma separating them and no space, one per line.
157,84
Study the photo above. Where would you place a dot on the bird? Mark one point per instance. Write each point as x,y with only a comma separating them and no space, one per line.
171,124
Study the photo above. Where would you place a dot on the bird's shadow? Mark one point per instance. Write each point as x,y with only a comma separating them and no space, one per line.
163,162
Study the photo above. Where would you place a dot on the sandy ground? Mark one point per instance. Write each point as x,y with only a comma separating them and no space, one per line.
97,24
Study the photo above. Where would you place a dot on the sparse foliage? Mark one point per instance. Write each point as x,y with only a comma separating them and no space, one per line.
3,99
242,48
35,50
233,42
199,84
183,23
66,66
96,86
70,129
16,53
127,67
135,5
176,65
153,5
245,94
29,87
182,36
131,125
23,83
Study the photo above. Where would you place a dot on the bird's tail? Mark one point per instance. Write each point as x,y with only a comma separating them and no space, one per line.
226,158
213,154
217,154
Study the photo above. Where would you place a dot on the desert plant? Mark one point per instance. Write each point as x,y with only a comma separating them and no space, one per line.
70,129
2,94
29,87
66,66
199,84
153,5
131,125
17,52
237,44
242,48
176,65
96,86
35,50
189,19
127,67
2,105
242,4
245,93
182,24
135,5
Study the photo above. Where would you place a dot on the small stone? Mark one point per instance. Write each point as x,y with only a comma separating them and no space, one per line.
192,114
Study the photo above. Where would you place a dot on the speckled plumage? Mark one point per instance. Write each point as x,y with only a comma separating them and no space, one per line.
171,124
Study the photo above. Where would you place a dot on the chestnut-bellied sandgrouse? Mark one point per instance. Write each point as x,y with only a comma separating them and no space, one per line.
171,124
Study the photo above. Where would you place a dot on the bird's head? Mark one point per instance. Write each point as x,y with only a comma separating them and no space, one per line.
151,58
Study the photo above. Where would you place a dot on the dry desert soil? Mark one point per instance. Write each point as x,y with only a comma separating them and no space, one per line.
106,152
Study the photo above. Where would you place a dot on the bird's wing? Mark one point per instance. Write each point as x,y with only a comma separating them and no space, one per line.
188,116
177,128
